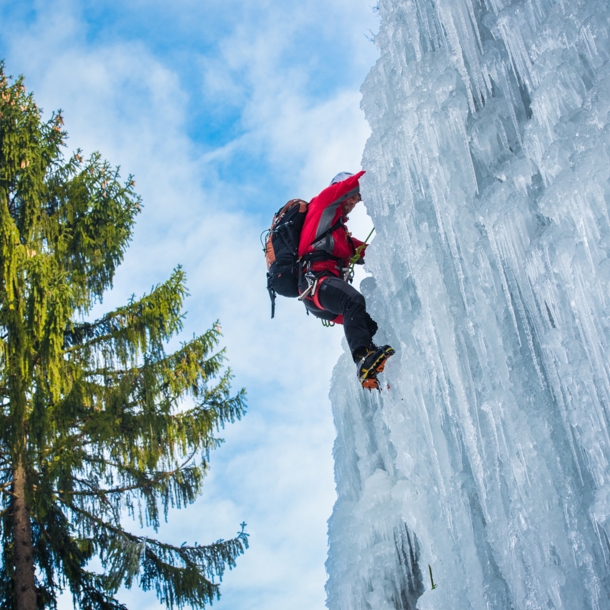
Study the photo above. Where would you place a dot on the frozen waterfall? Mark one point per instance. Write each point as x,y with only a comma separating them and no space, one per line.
488,457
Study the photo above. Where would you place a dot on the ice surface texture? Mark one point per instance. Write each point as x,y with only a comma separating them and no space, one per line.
488,183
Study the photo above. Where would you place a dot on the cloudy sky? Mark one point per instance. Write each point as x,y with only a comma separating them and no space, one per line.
223,110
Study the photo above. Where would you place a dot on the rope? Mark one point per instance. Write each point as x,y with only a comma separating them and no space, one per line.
356,257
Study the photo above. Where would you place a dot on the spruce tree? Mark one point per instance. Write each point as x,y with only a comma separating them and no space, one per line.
93,420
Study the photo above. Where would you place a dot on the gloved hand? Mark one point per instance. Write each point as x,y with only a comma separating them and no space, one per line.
358,258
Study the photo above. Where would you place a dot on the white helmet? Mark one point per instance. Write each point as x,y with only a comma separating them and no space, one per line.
340,177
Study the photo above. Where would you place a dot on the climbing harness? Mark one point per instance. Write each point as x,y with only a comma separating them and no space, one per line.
312,285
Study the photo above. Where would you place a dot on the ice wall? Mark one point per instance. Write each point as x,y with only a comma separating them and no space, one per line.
488,182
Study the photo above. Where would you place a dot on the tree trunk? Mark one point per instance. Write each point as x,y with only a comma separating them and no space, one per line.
25,587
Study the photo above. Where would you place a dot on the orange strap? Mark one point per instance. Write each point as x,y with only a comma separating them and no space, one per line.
314,296
316,300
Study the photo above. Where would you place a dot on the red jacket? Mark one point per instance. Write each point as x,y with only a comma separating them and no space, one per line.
323,212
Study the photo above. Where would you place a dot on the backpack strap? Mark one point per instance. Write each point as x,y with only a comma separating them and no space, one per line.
327,245
272,294
286,237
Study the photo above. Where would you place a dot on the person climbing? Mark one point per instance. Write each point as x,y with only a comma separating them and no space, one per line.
326,249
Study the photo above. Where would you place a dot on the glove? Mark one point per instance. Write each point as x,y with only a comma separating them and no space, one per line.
358,258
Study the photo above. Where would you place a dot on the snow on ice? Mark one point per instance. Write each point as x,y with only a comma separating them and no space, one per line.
488,458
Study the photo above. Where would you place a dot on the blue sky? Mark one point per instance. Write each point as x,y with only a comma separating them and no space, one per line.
223,110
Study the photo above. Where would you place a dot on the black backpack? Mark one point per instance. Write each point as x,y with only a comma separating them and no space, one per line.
281,251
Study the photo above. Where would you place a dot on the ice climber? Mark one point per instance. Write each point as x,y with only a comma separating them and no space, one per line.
326,249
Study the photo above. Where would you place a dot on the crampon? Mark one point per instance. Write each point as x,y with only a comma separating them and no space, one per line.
372,383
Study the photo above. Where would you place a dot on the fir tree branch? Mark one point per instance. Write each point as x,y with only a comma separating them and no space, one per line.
180,575
56,547
5,485
130,330
182,371
148,483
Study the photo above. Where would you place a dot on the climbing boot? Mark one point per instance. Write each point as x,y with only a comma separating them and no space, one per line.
372,364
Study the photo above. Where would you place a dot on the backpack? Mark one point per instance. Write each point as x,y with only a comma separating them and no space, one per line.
281,250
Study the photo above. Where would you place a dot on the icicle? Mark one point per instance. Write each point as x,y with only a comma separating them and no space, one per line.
489,189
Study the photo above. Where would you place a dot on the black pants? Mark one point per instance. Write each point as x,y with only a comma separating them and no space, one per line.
337,297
